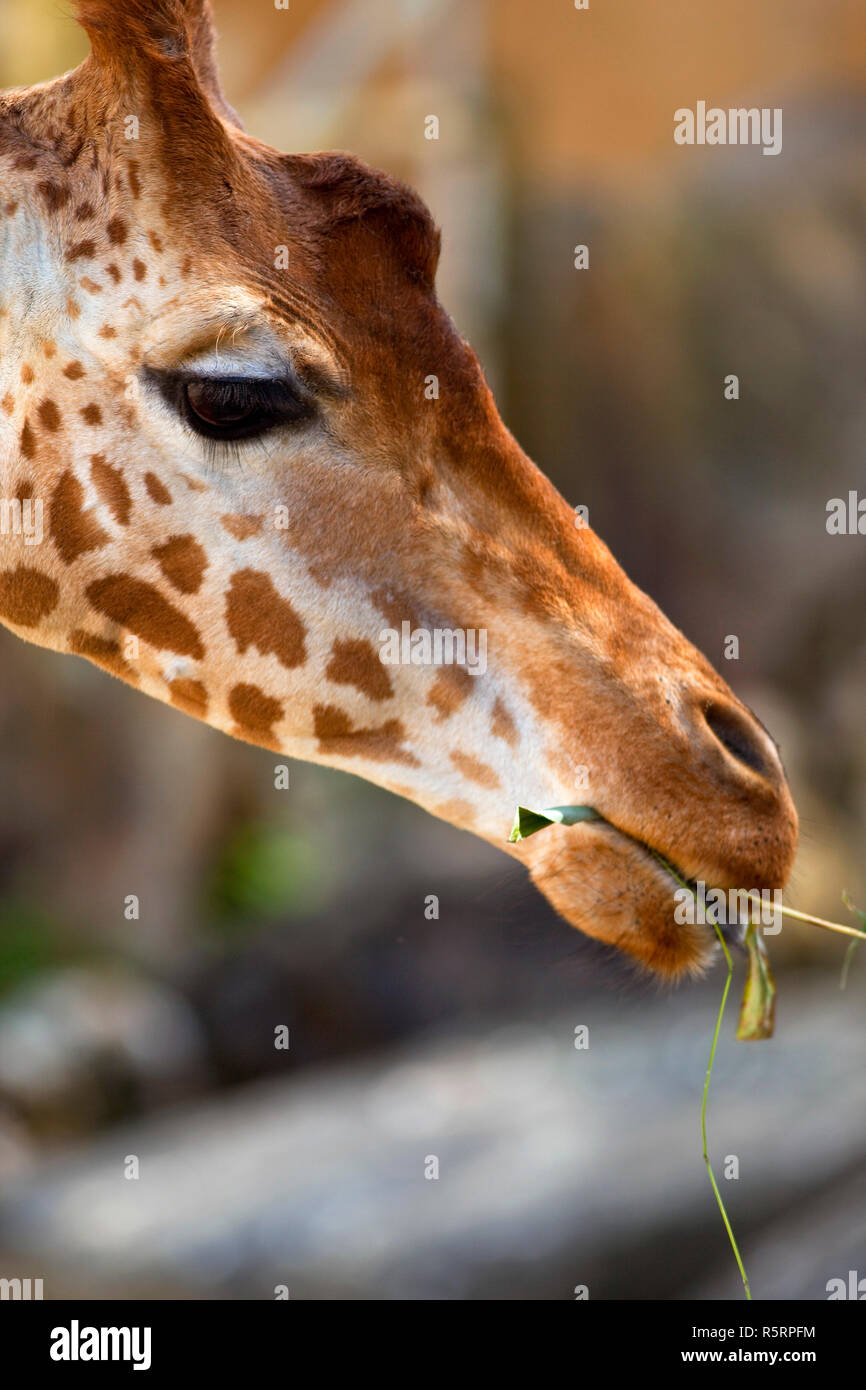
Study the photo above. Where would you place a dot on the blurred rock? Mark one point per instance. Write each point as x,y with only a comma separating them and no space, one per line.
556,1166
83,1047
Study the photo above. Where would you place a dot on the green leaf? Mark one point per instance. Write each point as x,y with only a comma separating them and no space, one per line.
758,1009
528,822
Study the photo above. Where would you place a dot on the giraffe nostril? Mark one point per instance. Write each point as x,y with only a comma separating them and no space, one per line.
735,732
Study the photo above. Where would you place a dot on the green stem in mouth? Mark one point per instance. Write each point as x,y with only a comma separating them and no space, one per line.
709,1166
820,921
720,1015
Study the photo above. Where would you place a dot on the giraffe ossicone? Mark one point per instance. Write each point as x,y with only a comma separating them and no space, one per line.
215,366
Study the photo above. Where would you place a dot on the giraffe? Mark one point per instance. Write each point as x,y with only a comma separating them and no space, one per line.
213,359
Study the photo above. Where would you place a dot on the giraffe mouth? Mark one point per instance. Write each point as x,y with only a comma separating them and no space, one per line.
733,932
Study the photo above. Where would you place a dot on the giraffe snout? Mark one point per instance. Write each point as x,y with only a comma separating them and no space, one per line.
743,825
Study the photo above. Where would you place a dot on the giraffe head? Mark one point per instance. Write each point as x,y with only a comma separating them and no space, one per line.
241,443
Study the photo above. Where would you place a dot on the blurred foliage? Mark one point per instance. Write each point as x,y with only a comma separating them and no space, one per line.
31,943
265,872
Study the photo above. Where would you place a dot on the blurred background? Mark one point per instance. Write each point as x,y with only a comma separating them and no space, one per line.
447,1045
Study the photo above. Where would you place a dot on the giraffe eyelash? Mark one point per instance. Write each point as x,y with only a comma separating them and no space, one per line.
222,409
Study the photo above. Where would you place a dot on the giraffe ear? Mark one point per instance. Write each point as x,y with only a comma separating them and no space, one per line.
203,43
130,35
357,198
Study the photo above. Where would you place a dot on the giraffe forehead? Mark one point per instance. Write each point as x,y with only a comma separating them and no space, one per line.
100,214
93,257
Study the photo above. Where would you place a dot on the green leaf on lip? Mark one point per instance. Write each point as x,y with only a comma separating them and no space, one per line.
758,1009
527,822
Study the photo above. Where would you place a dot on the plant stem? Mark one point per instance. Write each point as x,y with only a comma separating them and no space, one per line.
718,1028
814,921
709,1166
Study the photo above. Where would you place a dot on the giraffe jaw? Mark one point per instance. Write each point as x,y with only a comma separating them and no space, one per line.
613,887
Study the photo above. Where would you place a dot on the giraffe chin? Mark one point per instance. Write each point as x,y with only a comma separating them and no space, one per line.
610,887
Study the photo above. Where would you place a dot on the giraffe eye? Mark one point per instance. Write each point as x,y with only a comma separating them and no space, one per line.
234,407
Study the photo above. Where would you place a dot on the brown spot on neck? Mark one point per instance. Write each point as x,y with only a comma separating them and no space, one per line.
54,195
189,696
475,771
81,250
255,714
355,661
241,527
156,490
109,483
502,725
450,688
258,616
333,729
103,652
73,530
117,231
183,562
49,416
27,596
141,608
28,441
